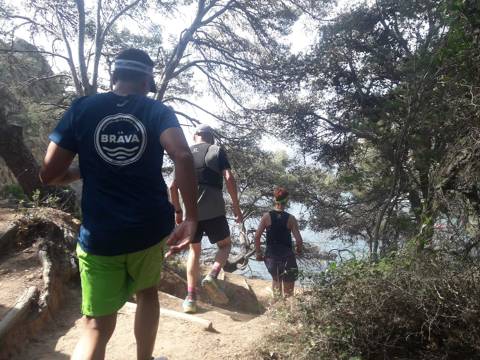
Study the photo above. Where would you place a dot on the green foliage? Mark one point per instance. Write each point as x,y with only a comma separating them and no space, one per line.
12,191
389,88
399,308
258,171
57,200
49,200
38,96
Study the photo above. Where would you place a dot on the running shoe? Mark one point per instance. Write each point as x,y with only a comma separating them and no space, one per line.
216,294
189,306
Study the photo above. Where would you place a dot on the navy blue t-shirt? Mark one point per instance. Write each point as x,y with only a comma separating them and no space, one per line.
125,203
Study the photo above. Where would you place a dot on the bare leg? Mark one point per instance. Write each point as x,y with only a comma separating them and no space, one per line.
288,288
209,283
224,247
146,322
93,342
193,265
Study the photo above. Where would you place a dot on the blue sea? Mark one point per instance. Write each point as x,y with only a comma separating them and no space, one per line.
323,241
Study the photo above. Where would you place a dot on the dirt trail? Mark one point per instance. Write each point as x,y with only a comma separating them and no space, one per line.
18,270
238,326
235,335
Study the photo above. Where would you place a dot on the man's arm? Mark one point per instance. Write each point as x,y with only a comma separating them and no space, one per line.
175,199
56,168
258,237
173,141
296,234
232,191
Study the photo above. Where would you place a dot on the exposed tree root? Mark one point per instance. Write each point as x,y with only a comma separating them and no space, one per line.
53,233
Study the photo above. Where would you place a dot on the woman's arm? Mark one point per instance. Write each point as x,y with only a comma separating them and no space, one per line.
296,234
258,237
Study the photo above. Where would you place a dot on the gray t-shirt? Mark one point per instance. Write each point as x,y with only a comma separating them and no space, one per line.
210,201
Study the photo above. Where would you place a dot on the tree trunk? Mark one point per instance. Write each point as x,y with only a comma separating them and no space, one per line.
427,230
18,157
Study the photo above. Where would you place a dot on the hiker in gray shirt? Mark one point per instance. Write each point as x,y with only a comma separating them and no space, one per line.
212,167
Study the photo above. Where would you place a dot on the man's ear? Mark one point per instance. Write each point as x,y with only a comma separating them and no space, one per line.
146,85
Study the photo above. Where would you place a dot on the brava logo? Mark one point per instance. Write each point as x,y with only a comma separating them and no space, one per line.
120,139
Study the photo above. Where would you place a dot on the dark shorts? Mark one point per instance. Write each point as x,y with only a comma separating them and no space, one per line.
282,268
216,229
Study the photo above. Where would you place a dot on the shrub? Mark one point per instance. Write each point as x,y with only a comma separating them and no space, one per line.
399,308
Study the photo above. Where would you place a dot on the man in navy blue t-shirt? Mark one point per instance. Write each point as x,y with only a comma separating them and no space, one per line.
120,138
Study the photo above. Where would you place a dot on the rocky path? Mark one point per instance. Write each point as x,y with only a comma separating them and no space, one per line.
238,327
235,336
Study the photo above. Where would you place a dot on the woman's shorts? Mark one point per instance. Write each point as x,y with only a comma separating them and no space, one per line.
282,268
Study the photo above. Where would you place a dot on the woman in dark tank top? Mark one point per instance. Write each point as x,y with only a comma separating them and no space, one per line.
279,256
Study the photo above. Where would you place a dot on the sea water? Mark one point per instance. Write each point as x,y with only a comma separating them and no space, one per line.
326,242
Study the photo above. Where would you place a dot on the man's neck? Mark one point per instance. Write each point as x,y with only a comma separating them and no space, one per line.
125,89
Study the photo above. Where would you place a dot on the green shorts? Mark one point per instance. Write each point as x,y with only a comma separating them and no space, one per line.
109,281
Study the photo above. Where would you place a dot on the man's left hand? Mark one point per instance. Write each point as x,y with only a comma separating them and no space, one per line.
181,237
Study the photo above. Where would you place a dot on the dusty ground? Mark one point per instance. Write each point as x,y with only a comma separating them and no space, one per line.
18,270
238,326
17,273
235,334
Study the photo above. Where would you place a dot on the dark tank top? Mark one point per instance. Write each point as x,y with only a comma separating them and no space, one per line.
279,237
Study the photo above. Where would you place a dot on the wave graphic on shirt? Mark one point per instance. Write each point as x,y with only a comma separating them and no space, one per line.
120,139
118,151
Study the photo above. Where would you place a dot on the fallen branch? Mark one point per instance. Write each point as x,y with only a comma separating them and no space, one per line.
238,262
207,325
203,323
19,311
